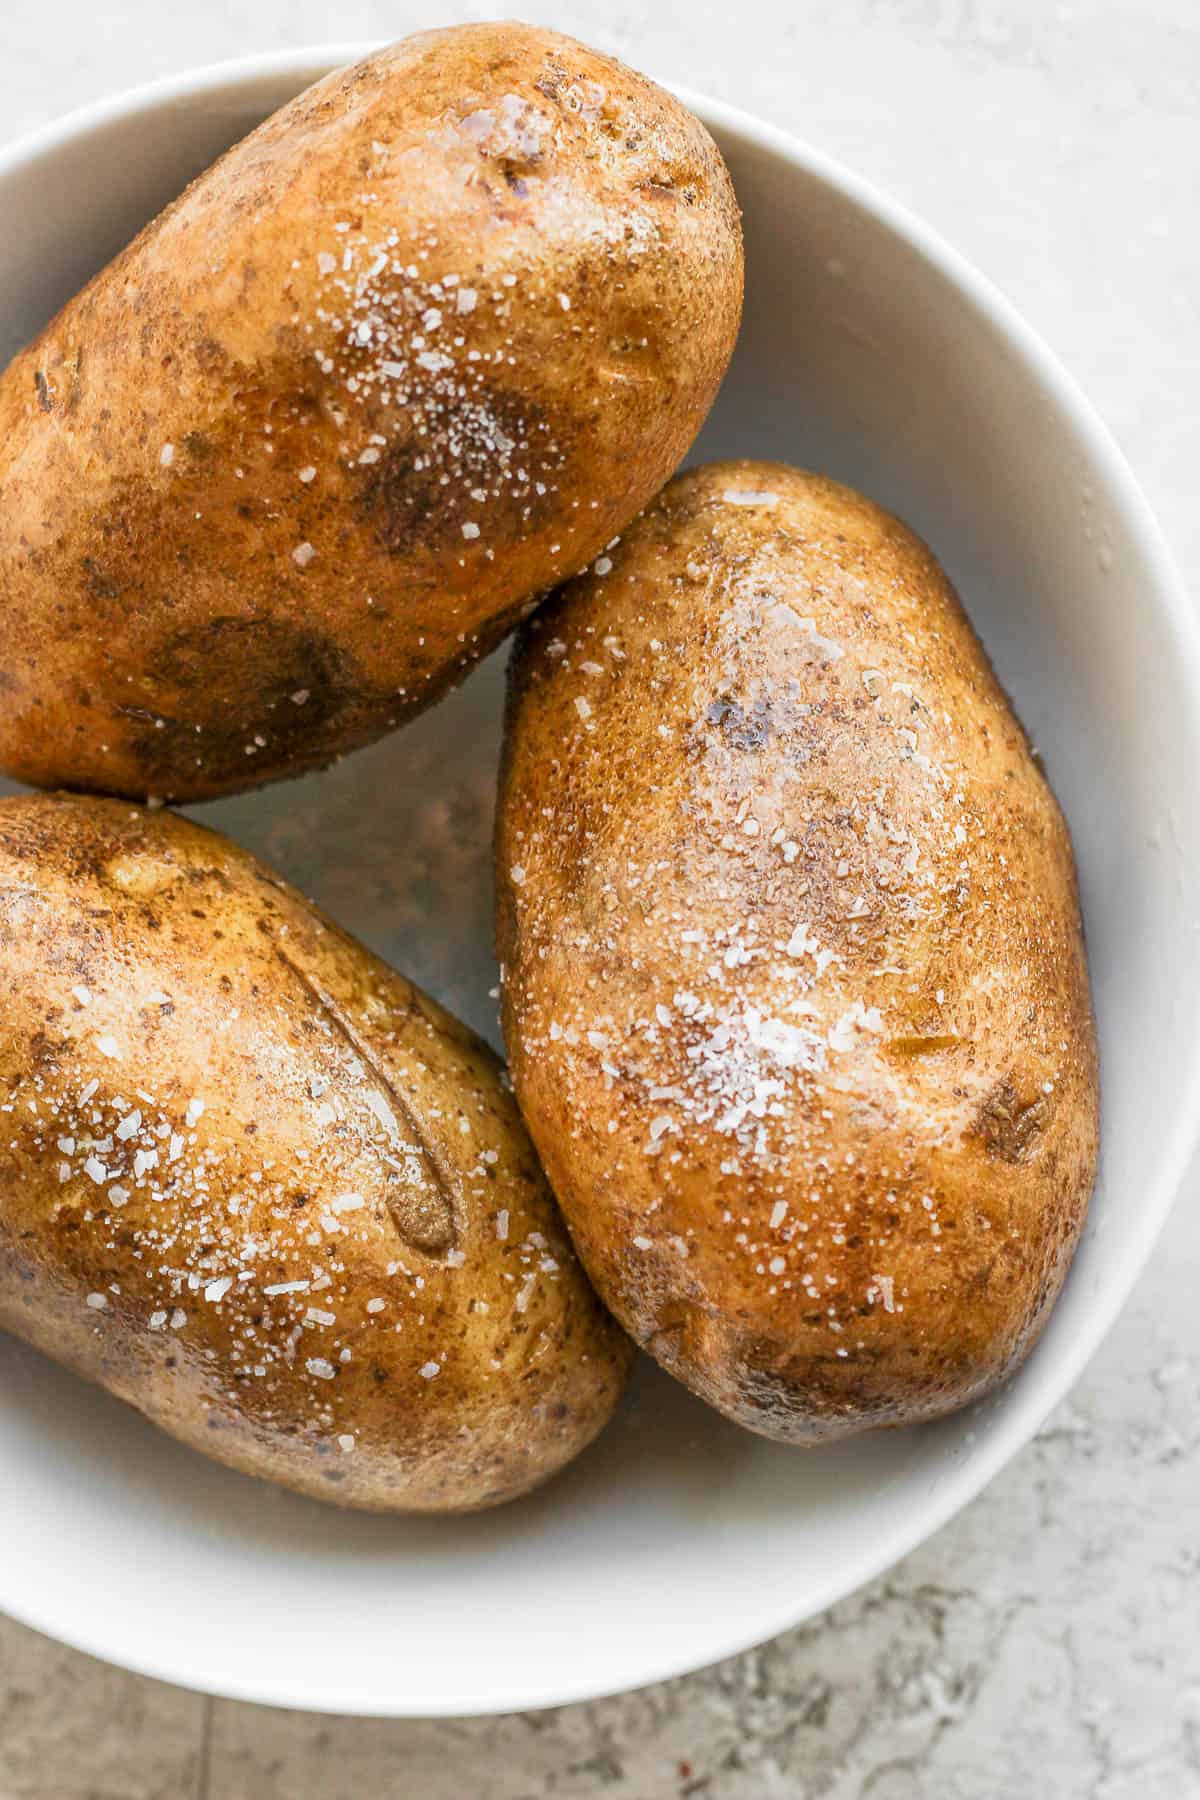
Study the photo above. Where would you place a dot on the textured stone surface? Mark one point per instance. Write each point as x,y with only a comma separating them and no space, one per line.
74,1729
1047,1643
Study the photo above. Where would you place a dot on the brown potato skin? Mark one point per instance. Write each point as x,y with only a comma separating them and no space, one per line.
771,728
155,959
156,624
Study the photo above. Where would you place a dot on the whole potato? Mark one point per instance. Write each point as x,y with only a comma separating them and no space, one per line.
402,359
257,1185
795,992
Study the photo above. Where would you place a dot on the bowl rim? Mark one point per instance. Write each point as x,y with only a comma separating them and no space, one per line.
168,1659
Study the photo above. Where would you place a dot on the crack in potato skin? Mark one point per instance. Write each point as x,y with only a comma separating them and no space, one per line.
261,1188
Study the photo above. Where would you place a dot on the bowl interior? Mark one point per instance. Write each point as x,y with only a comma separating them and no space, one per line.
868,352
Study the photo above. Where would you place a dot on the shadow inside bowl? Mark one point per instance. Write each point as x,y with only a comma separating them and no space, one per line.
687,1464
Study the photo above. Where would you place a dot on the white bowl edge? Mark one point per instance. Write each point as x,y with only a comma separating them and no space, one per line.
964,1482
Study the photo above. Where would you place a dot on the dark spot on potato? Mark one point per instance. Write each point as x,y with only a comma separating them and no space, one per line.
43,391
225,684
402,497
553,79
742,730
921,1045
416,498
100,585
1007,1126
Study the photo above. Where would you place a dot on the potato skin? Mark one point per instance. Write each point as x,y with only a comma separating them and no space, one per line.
794,983
261,1188
257,506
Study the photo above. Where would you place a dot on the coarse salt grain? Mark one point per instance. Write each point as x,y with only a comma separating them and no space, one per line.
324,1371
886,1285
428,1370
98,1302
303,554
749,497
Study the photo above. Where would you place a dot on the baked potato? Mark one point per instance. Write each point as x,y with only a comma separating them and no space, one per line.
406,356
261,1188
795,993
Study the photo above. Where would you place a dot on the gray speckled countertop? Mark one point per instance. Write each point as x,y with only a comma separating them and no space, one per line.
1047,1643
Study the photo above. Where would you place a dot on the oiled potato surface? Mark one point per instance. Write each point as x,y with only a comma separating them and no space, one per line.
260,1187
794,979
401,360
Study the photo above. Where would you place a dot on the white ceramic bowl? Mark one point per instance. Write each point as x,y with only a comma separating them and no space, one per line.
871,351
